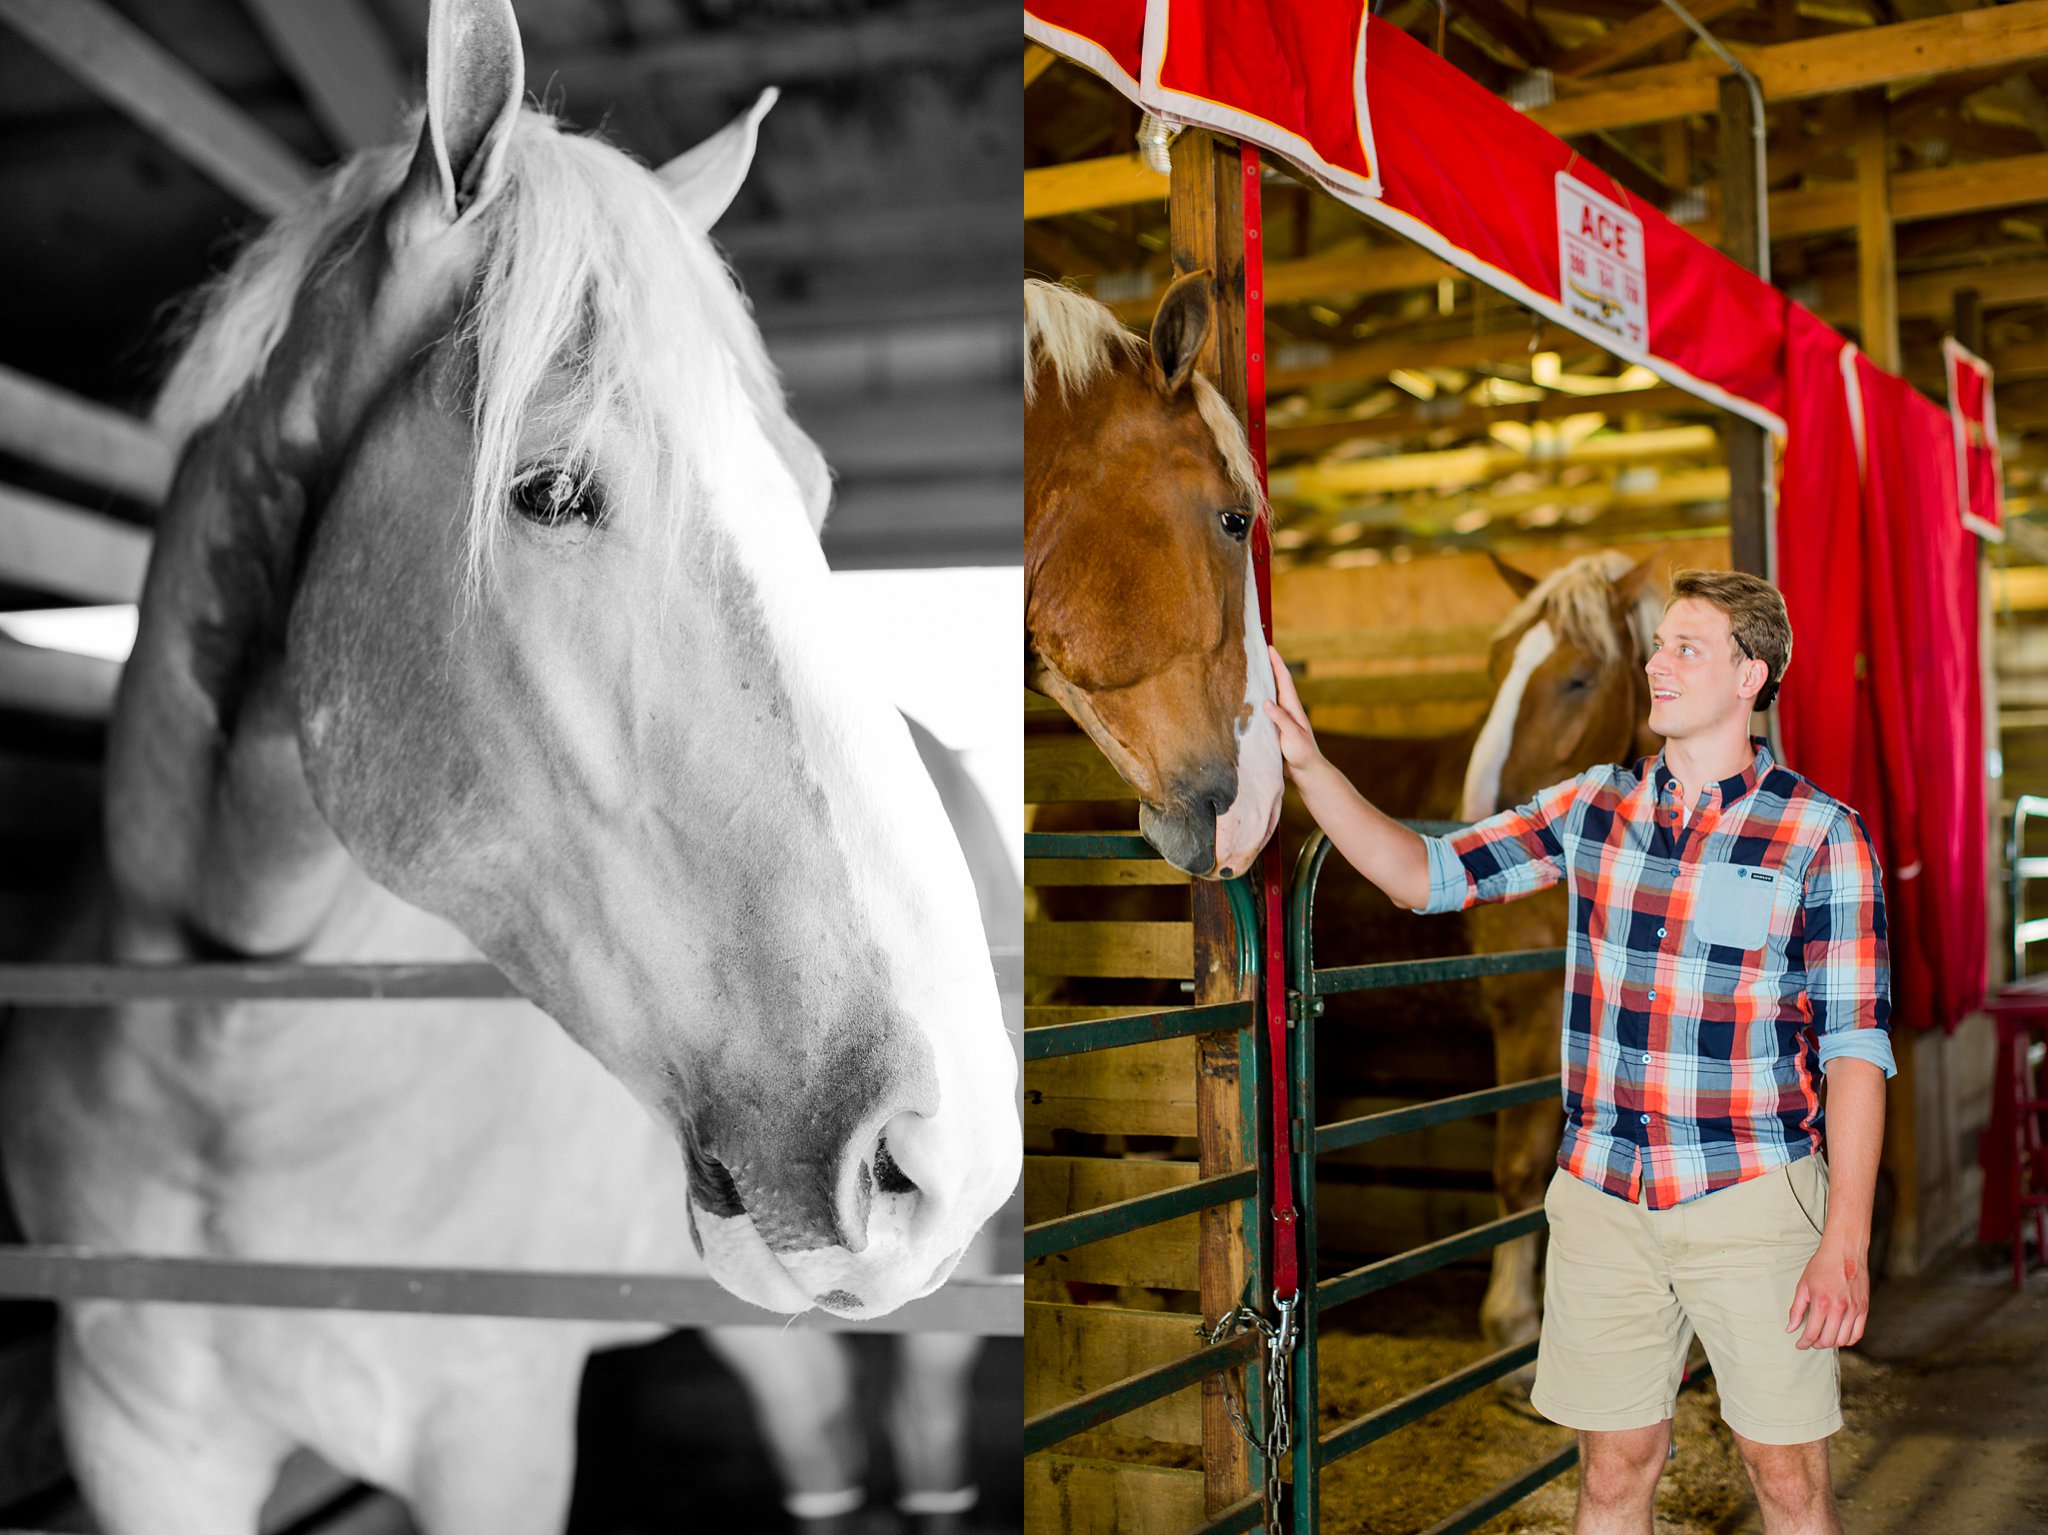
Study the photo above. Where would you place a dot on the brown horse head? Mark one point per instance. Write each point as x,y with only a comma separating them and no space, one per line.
1569,689
1141,612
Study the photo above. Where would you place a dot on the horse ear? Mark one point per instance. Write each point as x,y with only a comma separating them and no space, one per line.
1630,586
475,78
1519,581
1180,329
702,182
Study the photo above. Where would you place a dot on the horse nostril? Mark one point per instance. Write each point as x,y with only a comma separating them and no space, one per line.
890,1178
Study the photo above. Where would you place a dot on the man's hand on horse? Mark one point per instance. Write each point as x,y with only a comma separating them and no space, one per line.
1833,1296
1297,737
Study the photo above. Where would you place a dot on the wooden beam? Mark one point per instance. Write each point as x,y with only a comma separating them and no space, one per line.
81,438
1635,37
1310,436
1877,268
1932,295
1207,230
117,59
343,61
1111,182
1481,465
1821,66
1520,38
1743,238
55,548
1356,267
744,59
56,682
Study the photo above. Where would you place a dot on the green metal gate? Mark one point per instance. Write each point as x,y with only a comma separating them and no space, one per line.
1250,1185
1307,987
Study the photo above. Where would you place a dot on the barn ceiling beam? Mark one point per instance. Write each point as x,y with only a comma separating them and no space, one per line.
1312,436
56,682
343,62
114,57
1355,267
1635,37
1931,295
1483,465
60,549
82,439
1820,66
735,61
1114,181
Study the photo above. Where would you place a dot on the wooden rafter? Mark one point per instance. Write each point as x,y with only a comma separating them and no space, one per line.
1635,37
82,439
344,63
1407,425
113,56
60,549
2007,34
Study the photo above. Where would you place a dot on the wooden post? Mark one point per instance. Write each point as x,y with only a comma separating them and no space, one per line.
1877,267
1208,231
1744,239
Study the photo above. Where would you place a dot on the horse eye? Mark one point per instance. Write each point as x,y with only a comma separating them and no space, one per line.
1236,524
1578,682
551,496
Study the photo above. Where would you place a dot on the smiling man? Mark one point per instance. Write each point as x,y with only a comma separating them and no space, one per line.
1727,950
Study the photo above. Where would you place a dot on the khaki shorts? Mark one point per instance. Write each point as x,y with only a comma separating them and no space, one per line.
1626,1287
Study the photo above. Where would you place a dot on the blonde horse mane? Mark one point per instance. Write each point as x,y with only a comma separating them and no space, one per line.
1079,339
1577,601
589,282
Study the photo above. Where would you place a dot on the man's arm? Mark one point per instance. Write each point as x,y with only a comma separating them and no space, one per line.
1848,990
1515,853
1376,845
1834,1292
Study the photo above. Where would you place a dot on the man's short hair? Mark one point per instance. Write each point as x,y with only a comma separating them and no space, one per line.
1756,616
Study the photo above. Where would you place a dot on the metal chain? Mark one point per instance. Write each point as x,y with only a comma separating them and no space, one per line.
1279,1340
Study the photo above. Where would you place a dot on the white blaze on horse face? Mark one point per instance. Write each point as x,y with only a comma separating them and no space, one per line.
1244,828
1497,736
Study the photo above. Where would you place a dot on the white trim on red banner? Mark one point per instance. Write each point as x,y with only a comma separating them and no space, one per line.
1955,355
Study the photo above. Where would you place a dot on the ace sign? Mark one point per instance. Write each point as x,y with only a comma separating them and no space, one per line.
1601,267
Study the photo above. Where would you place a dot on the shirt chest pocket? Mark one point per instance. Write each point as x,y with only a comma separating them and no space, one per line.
1733,907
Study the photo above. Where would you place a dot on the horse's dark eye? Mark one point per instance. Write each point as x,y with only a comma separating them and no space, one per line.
1579,682
552,496
1236,524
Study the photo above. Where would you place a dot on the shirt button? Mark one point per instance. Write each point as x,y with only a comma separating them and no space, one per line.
1660,932
1646,1060
1653,996
1646,1119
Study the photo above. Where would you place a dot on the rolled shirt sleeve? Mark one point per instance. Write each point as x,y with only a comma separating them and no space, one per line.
1848,962
1515,853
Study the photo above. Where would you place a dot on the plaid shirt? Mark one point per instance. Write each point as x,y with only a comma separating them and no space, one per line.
1710,964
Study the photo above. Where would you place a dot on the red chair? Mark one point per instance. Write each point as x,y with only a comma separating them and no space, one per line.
2018,1187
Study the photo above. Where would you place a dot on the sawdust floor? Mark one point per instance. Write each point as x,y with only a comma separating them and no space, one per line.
1946,1406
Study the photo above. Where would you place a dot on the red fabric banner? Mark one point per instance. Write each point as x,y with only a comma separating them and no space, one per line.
1980,487
1881,706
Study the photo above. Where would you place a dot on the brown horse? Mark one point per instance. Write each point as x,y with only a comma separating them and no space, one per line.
1141,614
1570,693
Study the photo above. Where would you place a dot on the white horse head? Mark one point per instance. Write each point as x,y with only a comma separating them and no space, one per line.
535,595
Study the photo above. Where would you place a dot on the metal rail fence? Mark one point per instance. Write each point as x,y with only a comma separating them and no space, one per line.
991,1306
1307,987
1247,1185
2019,869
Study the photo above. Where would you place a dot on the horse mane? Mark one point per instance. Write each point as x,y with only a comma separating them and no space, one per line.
1578,601
589,281
1080,338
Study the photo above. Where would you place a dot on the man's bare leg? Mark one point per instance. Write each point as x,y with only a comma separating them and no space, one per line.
1793,1489
1618,1471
